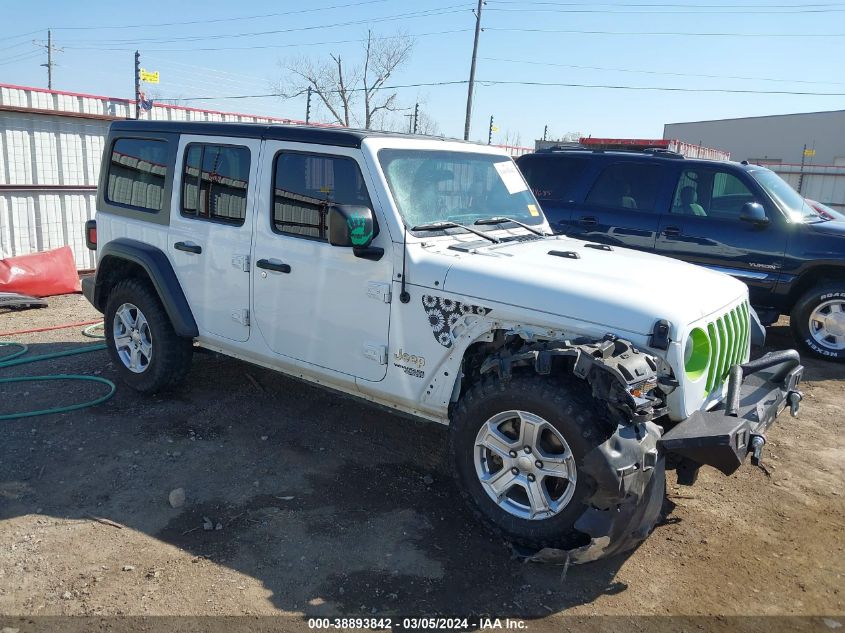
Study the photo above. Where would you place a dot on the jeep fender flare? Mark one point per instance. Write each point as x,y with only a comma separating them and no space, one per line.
157,266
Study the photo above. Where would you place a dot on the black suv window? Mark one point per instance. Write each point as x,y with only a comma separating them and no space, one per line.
304,185
626,186
137,171
553,177
214,182
711,193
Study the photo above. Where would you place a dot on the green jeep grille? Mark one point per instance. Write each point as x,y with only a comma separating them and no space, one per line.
729,339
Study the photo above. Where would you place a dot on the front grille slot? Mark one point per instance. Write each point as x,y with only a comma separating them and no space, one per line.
729,338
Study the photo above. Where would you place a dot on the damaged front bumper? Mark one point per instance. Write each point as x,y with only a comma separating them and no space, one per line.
724,436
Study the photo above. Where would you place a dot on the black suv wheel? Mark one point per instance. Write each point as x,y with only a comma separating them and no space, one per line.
140,338
818,321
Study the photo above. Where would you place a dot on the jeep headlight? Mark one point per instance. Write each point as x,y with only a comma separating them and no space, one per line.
696,354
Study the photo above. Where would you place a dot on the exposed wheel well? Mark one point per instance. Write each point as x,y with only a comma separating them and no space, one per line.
110,271
813,277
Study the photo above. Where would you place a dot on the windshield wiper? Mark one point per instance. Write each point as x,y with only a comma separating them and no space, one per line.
437,226
502,220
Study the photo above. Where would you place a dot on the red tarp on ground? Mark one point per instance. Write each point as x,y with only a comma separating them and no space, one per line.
40,274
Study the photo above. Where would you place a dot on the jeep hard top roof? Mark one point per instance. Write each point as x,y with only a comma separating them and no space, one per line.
342,137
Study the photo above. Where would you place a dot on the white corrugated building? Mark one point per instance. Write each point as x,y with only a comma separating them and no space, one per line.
51,143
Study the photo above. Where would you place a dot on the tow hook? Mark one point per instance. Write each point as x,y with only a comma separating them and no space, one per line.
755,447
794,398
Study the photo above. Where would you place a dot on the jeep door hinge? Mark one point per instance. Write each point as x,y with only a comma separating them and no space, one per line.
378,291
241,316
376,353
241,262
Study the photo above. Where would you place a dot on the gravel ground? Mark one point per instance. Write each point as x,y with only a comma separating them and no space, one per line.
319,505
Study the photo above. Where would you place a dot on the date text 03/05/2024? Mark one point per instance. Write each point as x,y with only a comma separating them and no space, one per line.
417,624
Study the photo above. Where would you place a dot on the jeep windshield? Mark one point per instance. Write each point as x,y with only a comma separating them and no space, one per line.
435,186
790,200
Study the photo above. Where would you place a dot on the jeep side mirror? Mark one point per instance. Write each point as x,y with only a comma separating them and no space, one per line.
350,225
754,213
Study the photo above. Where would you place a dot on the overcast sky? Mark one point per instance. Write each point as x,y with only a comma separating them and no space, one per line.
760,46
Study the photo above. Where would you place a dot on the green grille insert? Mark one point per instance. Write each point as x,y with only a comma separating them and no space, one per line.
729,340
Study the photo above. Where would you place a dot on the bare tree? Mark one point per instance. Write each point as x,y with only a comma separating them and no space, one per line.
428,126
341,86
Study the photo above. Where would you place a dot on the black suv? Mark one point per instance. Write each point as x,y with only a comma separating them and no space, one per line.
736,218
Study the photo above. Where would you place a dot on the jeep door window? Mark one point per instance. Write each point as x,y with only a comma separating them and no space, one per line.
305,185
137,171
626,186
214,182
787,198
442,186
710,193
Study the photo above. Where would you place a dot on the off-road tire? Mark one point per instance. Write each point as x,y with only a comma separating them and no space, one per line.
799,319
567,404
171,357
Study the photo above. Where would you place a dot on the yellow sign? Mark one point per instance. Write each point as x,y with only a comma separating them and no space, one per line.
809,153
532,209
148,76
494,128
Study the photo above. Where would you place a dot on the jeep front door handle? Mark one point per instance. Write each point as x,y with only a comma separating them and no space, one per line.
588,221
671,231
274,265
188,247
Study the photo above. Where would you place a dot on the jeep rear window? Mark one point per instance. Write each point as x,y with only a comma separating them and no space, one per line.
553,178
305,185
137,172
443,186
214,182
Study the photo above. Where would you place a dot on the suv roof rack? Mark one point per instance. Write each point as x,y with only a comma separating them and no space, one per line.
653,151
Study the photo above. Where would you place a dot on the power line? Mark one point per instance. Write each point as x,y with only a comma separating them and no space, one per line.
498,82
217,20
671,4
14,37
647,11
445,10
263,46
659,33
657,72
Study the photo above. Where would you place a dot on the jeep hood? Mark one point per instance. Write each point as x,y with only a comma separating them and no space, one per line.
620,289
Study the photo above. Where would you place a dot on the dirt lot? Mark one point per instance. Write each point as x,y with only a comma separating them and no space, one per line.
325,506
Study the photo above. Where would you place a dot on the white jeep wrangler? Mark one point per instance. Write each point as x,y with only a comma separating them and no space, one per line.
420,274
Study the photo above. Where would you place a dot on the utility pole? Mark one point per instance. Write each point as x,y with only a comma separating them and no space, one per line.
50,63
545,132
137,85
490,131
416,116
471,86
308,107
410,118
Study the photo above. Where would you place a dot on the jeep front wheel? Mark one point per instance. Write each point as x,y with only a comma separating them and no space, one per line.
517,448
818,321
140,339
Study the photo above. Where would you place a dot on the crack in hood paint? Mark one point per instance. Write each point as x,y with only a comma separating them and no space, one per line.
620,289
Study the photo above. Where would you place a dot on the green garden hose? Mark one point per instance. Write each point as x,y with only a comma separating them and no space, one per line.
14,359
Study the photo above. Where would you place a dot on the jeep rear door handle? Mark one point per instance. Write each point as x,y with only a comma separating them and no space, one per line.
188,247
273,264
588,220
671,231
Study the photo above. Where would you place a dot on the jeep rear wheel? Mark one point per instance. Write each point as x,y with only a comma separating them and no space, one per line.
517,448
140,338
818,321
